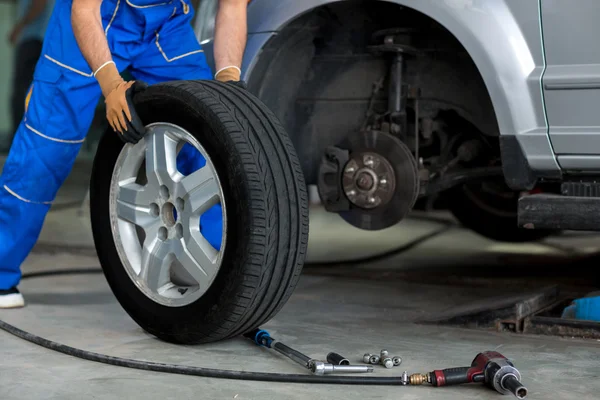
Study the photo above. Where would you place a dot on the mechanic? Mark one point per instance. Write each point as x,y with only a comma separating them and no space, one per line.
87,44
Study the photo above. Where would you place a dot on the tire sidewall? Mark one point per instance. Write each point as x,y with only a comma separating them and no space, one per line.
205,126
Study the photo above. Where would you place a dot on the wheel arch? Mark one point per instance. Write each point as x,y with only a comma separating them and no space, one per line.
503,40
490,32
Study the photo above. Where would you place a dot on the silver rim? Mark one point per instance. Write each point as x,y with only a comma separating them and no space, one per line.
155,217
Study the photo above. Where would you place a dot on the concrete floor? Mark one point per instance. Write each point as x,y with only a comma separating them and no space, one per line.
351,309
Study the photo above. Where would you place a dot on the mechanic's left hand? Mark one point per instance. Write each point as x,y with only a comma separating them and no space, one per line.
231,75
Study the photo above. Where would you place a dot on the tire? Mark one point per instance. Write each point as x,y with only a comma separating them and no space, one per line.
267,212
493,216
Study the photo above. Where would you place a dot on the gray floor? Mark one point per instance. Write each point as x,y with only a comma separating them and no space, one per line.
350,309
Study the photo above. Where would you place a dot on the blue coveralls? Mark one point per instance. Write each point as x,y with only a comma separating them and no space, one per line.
155,41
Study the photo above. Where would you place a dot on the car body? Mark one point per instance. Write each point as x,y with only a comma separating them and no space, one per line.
516,70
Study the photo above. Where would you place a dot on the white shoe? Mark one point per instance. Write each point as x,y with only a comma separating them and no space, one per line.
11,298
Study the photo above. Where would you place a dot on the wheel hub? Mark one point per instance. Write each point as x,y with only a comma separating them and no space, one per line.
168,214
366,180
156,225
369,180
168,210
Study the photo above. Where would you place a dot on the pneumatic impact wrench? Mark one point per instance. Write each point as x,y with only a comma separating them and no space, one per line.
489,367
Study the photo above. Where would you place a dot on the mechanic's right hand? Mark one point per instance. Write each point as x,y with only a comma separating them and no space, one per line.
117,108
135,128
118,96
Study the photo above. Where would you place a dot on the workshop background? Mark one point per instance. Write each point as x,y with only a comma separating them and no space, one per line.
425,289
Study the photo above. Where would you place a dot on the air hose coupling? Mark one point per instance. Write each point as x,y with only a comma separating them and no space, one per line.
419,379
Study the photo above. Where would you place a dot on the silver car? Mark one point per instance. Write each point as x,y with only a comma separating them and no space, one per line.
488,108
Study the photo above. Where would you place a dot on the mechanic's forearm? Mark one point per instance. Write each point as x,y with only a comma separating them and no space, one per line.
230,33
87,27
34,11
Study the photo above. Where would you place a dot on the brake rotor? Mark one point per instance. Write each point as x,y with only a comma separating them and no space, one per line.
380,180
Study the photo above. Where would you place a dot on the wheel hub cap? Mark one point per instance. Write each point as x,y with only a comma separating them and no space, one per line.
157,223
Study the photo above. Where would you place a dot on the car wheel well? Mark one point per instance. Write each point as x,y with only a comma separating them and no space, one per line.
317,74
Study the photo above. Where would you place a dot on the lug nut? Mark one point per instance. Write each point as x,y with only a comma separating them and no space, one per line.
352,193
383,181
387,362
372,200
397,361
374,360
384,353
367,358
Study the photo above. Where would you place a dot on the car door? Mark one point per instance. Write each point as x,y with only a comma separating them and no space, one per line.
571,82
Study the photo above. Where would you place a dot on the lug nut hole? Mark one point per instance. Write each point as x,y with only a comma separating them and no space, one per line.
164,192
163,233
154,210
179,203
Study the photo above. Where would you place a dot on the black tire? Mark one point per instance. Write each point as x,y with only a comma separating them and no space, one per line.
267,224
491,216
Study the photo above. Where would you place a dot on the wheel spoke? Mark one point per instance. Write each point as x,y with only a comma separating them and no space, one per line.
201,189
133,205
198,257
161,158
156,260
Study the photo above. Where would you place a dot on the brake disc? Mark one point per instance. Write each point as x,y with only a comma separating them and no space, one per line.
380,180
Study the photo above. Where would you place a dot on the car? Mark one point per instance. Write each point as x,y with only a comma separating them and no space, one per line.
489,106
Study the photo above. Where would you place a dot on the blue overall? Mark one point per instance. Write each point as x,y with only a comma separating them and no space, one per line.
155,42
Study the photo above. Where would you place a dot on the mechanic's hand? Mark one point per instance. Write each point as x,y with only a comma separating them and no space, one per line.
231,73
232,76
135,129
118,96
117,109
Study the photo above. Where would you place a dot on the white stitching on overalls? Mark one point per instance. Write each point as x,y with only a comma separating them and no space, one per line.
24,199
91,74
51,138
113,18
176,57
148,6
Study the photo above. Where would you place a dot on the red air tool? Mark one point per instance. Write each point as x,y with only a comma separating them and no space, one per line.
489,367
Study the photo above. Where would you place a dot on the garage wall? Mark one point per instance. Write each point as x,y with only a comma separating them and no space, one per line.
7,17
